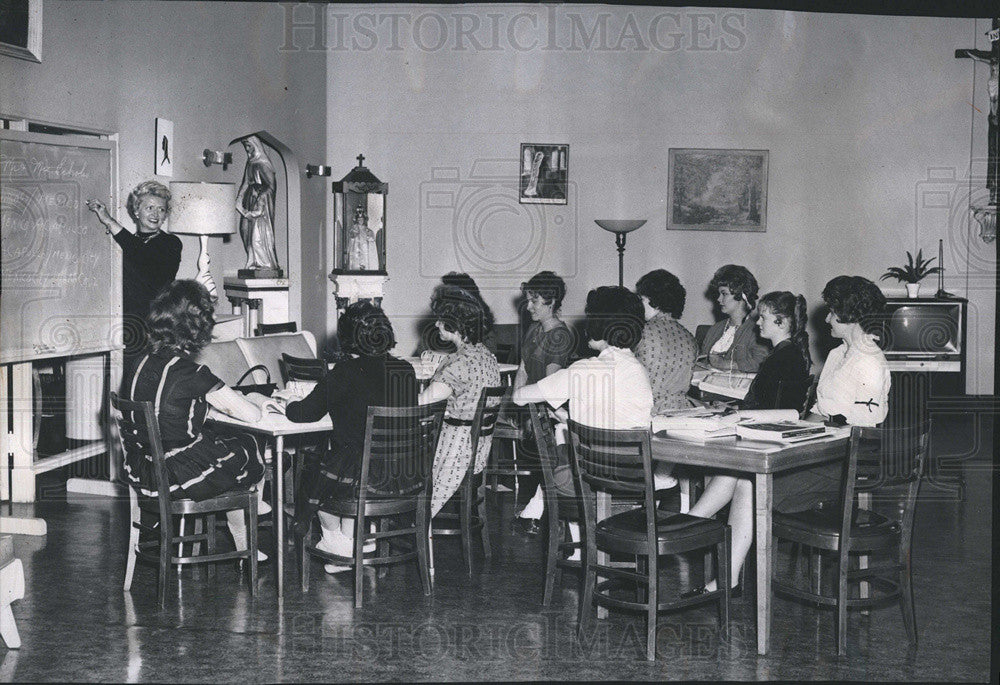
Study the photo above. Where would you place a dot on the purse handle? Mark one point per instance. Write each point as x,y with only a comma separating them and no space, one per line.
258,367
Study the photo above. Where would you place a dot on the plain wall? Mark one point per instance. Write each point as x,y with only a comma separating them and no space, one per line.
863,116
217,71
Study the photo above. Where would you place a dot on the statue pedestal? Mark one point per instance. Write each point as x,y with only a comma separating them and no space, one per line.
349,288
257,300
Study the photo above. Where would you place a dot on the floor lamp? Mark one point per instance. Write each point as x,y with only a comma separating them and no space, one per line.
203,209
621,228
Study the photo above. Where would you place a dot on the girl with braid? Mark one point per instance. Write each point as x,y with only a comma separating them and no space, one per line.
781,383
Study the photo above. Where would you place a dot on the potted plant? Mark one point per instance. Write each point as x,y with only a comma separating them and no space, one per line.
911,273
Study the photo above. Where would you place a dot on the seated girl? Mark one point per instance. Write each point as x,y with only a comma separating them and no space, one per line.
610,390
461,377
732,344
667,350
545,349
201,462
369,376
853,388
781,383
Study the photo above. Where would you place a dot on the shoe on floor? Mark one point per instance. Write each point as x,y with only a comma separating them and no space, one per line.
334,569
341,545
523,526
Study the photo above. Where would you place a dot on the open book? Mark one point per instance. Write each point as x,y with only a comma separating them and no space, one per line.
726,383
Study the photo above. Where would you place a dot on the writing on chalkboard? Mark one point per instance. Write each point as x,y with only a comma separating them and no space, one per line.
61,274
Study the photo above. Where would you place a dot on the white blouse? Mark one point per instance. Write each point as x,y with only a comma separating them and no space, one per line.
855,383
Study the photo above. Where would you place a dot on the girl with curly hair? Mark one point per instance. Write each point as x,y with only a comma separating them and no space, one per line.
545,348
460,379
367,375
667,350
732,344
201,462
150,256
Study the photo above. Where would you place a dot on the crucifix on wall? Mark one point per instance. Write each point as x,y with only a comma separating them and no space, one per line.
991,58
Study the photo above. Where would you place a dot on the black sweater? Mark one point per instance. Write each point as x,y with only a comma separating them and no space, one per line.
147,266
781,382
346,393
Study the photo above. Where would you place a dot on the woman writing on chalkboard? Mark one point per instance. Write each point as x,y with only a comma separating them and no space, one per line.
150,256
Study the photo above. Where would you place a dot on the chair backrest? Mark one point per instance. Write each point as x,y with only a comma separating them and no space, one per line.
505,351
699,334
616,461
813,381
399,450
543,428
485,418
139,433
269,328
884,457
301,368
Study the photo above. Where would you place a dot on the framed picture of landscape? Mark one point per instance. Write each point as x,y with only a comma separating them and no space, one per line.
717,190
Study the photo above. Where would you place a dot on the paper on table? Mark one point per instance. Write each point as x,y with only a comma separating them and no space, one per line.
767,414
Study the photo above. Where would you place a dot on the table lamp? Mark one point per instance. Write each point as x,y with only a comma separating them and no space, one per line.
203,209
620,227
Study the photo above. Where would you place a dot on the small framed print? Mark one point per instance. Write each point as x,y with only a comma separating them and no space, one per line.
544,174
717,190
21,29
164,148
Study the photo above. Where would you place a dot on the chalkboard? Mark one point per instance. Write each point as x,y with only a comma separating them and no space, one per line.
61,273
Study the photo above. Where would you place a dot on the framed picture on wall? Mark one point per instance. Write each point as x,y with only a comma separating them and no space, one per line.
21,29
717,190
544,174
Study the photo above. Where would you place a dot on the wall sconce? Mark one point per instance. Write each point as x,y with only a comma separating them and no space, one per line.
211,157
203,209
317,170
987,218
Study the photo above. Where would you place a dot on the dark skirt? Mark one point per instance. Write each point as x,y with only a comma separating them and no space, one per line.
211,465
803,489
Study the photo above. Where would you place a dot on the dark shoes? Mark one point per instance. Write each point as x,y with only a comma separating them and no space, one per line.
528,527
734,593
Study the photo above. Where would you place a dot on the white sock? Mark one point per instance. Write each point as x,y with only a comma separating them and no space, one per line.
574,535
238,529
262,506
535,506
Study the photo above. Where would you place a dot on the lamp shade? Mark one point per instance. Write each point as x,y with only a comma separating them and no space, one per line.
619,225
203,208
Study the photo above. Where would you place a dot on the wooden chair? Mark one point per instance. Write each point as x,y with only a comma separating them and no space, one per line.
470,496
561,509
878,458
301,368
619,461
11,590
269,328
139,432
499,464
395,483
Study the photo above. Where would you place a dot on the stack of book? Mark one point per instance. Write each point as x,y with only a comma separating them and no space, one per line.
701,424
781,431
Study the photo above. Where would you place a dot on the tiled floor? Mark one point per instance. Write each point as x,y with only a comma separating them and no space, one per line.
77,624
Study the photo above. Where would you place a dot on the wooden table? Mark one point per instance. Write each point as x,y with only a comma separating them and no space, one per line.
277,426
763,460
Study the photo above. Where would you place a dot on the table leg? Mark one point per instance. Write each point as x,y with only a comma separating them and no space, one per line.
279,512
763,491
603,507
